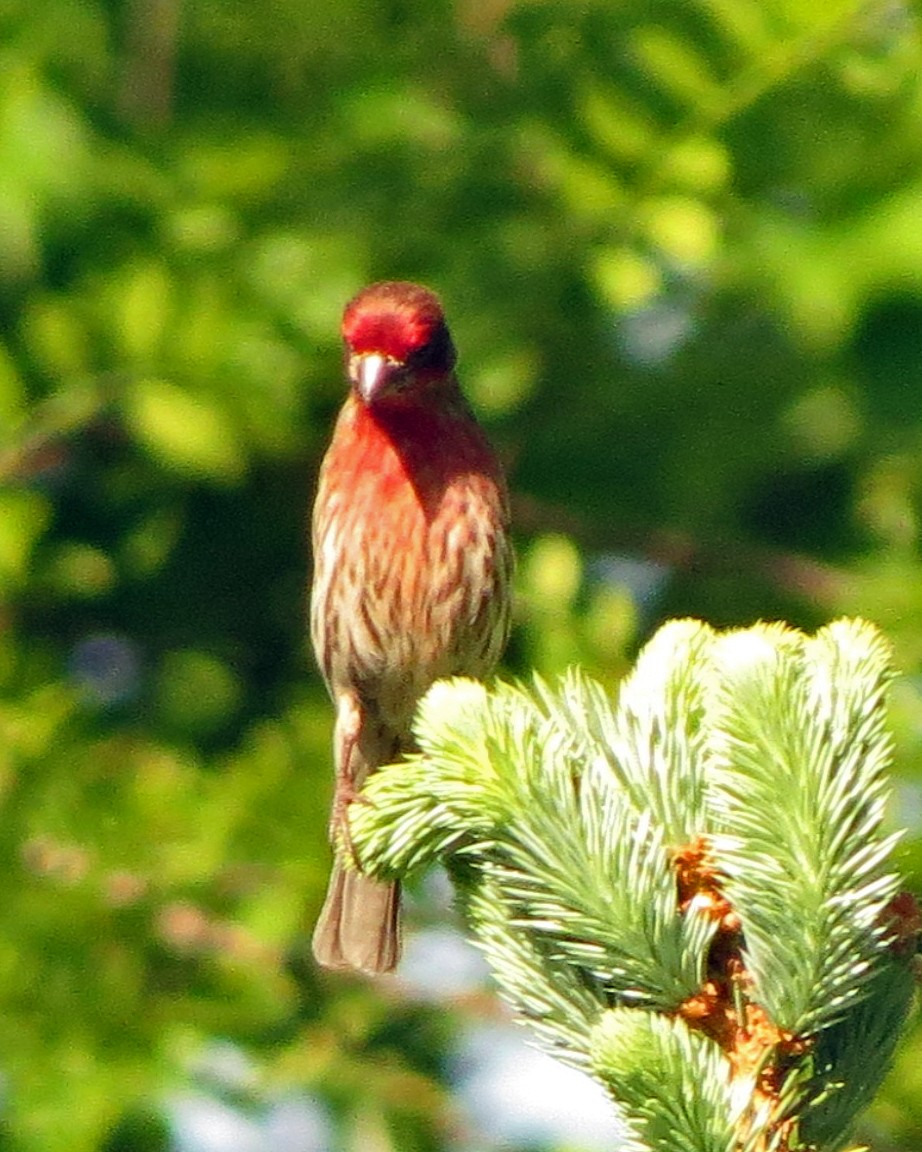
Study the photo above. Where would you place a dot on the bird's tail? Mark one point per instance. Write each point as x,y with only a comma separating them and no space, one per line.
359,925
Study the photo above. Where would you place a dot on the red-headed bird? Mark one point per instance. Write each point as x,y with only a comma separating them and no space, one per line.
412,572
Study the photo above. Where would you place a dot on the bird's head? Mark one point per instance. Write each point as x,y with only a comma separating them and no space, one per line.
397,342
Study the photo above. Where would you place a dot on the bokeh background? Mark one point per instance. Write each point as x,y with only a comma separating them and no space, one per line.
680,245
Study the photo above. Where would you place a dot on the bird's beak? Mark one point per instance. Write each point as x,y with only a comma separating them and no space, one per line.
370,374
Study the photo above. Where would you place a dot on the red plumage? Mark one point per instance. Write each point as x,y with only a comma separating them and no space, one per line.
412,571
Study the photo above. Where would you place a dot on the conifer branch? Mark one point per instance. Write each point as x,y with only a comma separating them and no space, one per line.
688,892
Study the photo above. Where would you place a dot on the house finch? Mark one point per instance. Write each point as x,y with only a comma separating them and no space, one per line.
412,572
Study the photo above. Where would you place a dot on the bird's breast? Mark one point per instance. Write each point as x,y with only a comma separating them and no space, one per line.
412,560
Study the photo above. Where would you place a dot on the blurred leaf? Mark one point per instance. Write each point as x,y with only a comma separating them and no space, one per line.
141,305
196,692
186,433
23,517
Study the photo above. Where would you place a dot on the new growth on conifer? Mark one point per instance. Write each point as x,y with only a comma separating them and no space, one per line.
689,891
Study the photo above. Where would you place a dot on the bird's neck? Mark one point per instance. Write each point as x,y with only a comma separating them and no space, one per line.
423,443
424,418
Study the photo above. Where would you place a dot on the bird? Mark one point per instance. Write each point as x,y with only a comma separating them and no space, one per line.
412,574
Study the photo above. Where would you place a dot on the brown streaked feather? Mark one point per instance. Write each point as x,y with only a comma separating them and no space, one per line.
429,516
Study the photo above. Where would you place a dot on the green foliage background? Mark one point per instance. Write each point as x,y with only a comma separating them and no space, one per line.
680,244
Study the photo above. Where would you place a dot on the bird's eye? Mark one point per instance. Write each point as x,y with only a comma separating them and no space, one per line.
399,375
438,352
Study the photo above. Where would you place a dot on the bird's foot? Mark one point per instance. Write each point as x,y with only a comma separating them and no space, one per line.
346,793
